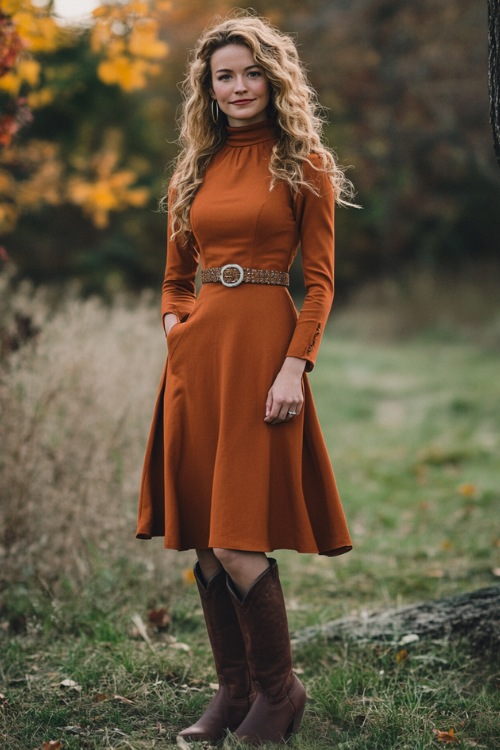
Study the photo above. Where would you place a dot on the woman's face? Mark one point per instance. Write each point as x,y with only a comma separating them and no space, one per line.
239,85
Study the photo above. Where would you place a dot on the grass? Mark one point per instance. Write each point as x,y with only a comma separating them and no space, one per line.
413,431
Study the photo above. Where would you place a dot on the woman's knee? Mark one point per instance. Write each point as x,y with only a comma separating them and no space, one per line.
228,558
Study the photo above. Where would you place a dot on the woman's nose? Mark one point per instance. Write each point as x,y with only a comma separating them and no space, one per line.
240,85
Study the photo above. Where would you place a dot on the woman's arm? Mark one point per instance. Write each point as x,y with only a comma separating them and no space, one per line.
315,221
178,290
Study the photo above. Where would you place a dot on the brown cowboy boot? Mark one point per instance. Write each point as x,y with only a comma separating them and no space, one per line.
279,705
233,699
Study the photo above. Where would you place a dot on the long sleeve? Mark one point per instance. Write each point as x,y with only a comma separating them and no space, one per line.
179,290
314,215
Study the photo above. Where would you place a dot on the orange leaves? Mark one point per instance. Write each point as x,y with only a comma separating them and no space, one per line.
188,576
127,35
447,737
468,489
401,655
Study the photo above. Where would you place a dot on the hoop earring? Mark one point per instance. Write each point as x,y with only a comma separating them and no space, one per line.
214,106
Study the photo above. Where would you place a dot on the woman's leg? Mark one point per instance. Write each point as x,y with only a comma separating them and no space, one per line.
208,563
242,567
259,604
232,701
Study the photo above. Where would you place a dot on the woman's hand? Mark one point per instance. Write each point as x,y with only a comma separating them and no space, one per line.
285,397
169,321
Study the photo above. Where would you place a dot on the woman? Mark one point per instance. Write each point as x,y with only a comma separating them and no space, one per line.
236,465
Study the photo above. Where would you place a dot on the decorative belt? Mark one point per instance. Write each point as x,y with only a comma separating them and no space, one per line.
233,274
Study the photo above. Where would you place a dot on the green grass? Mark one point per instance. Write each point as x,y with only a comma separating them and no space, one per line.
414,434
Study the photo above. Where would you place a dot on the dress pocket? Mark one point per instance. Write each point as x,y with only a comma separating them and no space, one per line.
174,336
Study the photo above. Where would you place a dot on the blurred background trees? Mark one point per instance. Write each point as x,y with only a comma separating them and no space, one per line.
404,84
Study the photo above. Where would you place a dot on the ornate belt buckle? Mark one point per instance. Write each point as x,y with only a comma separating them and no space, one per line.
238,281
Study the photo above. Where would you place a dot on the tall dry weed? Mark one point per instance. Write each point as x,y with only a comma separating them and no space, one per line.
76,397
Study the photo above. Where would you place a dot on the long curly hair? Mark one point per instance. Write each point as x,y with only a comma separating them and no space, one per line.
293,108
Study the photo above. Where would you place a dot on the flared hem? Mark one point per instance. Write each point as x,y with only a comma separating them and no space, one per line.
334,552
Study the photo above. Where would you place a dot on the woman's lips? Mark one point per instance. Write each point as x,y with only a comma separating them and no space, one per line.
243,101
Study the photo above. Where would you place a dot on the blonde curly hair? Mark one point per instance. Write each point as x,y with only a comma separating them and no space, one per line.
293,108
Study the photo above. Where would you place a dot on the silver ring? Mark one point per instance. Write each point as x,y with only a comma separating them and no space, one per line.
292,413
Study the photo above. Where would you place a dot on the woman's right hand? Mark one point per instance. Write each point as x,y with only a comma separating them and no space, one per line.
169,321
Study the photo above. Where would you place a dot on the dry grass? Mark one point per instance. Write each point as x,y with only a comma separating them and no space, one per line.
413,434
76,401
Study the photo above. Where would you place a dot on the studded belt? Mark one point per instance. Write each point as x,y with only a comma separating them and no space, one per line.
233,274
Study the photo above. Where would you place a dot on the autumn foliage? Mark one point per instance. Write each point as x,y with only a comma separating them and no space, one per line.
88,123
124,39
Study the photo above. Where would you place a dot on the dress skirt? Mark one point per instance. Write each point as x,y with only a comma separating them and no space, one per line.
216,474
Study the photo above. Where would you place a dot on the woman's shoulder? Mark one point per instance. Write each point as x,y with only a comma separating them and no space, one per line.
316,174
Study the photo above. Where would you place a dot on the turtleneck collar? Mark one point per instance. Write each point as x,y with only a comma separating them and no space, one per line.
248,135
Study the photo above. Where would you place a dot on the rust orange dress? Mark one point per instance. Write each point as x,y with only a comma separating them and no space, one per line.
215,474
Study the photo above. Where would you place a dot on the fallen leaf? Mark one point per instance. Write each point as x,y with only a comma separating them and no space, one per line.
496,572
181,742
121,699
435,573
180,646
410,638
52,745
468,489
446,544
449,736
71,685
188,575
100,697
3,699
401,655
159,617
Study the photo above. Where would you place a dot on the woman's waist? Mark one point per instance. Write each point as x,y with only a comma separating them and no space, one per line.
234,274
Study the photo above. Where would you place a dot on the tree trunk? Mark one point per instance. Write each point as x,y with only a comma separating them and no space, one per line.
494,71
474,616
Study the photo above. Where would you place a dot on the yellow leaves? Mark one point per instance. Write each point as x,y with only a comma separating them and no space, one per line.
41,98
26,70
29,71
8,217
401,655
10,83
468,489
188,576
127,73
143,40
37,28
107,189
127,36
99,198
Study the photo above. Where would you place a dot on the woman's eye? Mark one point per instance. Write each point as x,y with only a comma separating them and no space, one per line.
223,77
255,74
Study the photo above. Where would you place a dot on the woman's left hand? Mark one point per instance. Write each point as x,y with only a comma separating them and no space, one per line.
285,397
